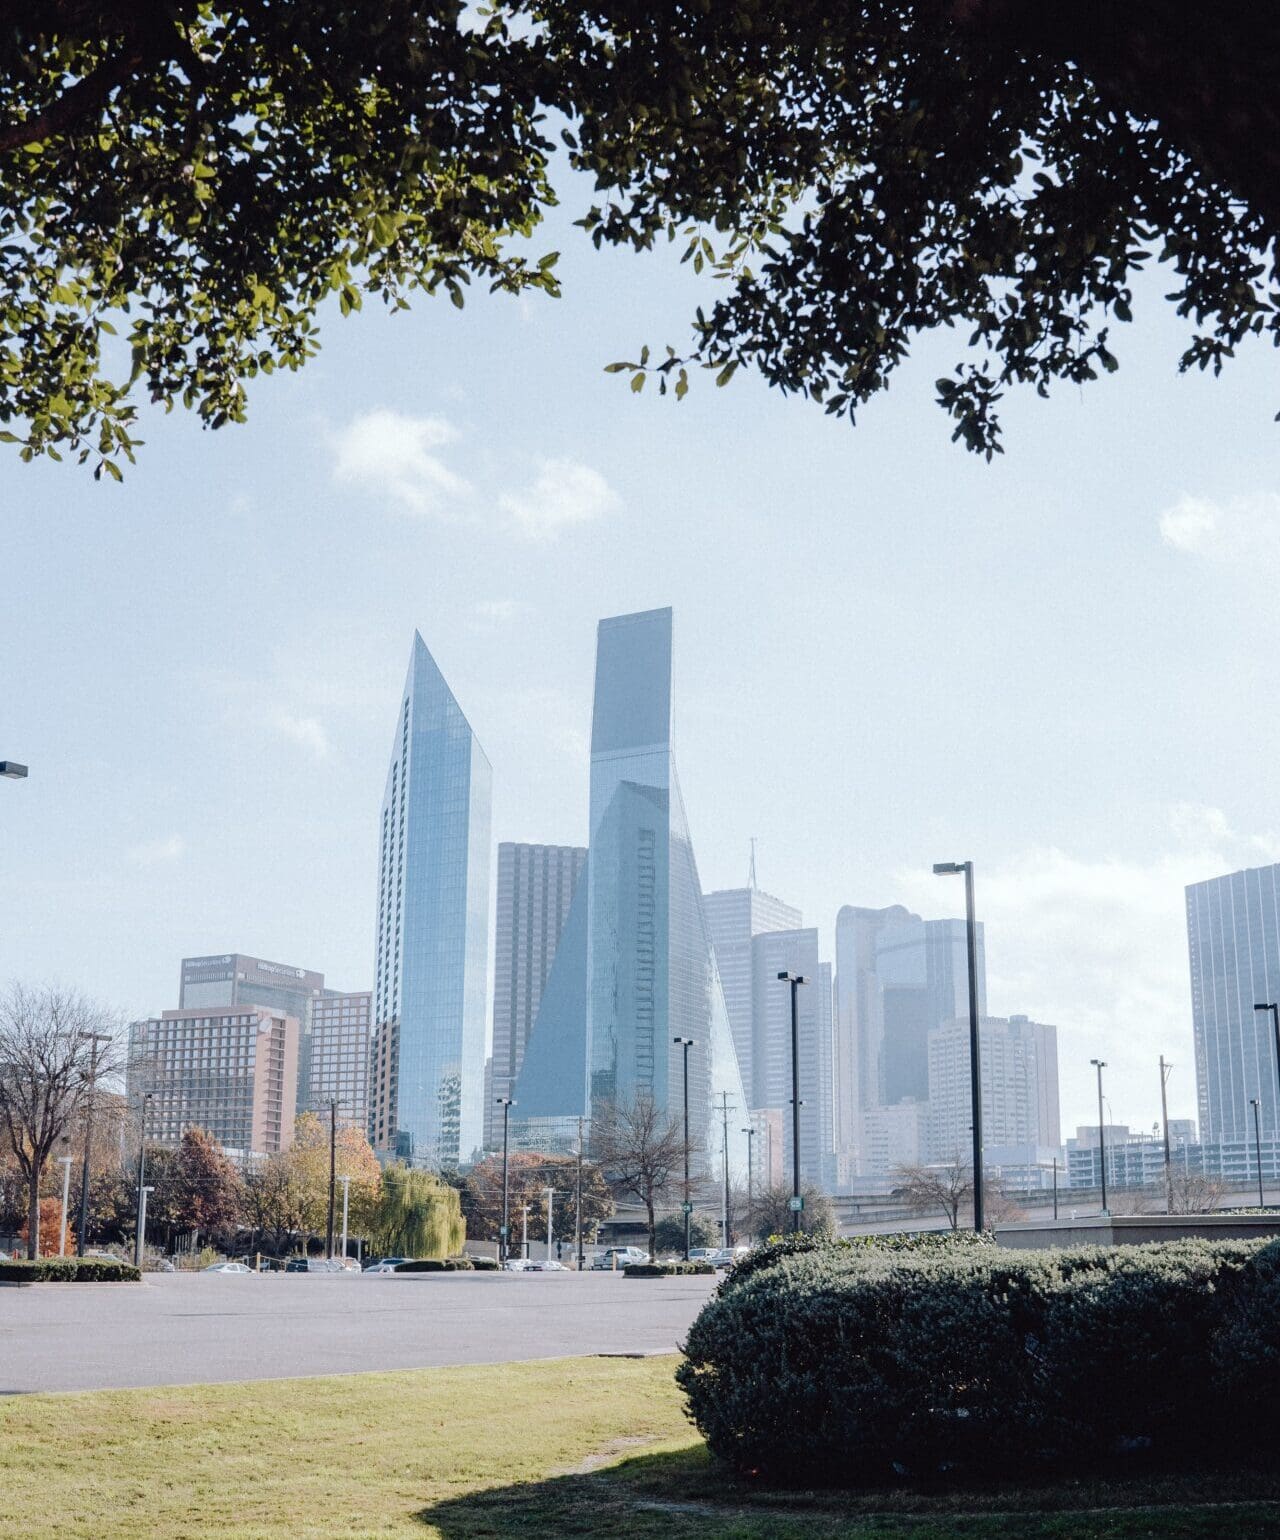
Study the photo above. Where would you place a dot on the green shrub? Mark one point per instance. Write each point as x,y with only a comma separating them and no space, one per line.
665,1269
69,1270
862,1364
436,1265
484,1264
949,1241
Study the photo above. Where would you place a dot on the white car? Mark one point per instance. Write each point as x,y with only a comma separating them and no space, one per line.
551,1266
227,1267
515,1265
385,1265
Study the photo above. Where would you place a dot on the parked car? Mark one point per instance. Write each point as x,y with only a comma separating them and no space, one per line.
386,1264
515,1265
703,1253
547,1266
603,1261
228,1267
296,1265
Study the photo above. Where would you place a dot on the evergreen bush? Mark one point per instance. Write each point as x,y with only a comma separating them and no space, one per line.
856,1364
69,1270
665,1269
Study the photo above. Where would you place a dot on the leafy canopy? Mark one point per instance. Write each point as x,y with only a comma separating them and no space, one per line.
183,185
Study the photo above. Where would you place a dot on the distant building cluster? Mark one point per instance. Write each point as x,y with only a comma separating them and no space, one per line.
608,957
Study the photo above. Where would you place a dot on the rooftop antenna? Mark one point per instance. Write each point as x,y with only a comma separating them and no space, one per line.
751,874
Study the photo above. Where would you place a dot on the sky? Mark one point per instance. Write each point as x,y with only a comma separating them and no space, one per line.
888,653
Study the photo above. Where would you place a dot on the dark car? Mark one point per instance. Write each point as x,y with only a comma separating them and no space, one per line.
297,1265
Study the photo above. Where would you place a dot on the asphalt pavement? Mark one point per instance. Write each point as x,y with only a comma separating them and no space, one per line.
184,1328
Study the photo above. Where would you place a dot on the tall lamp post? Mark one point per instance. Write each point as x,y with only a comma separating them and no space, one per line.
551,1194
686,1043
504,1232
1257,1145
582,1255
1100,1065
140,1238
82,1228
953,869
333,1167
346,1208
751,1186
65,1162
797,1202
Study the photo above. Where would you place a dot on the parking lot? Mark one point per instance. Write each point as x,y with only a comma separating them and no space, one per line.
187,1328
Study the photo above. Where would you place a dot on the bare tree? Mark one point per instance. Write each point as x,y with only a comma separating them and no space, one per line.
642,1151
771,1212
944,1188
1193,1192
51,1057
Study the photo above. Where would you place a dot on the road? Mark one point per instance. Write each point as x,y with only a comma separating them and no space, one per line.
182,1328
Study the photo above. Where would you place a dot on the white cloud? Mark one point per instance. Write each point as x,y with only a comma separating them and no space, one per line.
564,494
159,851
392,453
1238,530
307,732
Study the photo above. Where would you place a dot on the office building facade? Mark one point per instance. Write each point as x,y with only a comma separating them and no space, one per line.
232,1071
338,1067
430,977
536,884
1233,940
1019,1063
734,917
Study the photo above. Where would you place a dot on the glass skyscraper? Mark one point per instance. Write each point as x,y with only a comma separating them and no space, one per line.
427,1072
1233,936
636,966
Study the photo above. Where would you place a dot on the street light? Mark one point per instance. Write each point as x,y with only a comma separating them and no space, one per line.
751,1191
506,1104
147,1096
346,1204
797,1202
65,1162
1257,1144
95,1038
333,1166
686,1043
1274,1007
954,869
551,1193
1100,1065
11,770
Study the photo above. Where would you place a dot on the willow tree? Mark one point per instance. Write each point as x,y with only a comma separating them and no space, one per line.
418,1215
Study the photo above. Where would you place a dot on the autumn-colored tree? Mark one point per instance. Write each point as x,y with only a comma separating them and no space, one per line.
276,1204
51,1242
208,1190
308,1157
528,1177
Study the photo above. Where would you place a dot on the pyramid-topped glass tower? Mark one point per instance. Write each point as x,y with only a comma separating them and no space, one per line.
426,1094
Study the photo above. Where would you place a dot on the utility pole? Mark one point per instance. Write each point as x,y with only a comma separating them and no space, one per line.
578,1221
504,1231
346,1206
1164,1116
82,1228
333,1166
724,1222
797,1202
751,1189
551,1193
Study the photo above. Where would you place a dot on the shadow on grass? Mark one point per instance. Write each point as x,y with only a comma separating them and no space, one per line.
682,1494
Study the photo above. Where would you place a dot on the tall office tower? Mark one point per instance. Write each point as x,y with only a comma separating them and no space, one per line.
536,884
232,1070
234,978
767,1147
894,1137
734,916
859,1028
635,967
1019,1086
338,1071
795,951
427,1074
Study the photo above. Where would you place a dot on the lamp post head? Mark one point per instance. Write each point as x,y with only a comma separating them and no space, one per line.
1253,1101
793,978
684,1042
503,1101
12,770
948,868
1265,1006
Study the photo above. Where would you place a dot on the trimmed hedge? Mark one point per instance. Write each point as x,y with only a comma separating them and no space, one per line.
861,1365
69,1270
436,1265
665,1269
802,1244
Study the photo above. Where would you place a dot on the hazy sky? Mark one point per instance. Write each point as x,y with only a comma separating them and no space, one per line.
888,653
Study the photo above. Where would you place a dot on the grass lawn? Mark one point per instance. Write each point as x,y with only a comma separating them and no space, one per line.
578,1447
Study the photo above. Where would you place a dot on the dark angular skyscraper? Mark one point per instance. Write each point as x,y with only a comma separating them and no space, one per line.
427,1073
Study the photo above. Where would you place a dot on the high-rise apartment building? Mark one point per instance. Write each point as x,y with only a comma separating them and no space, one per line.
232,1070
795,951
734,917
536,884
635,967
1233,936
338,1068
1019,1063
427,1074
239,978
